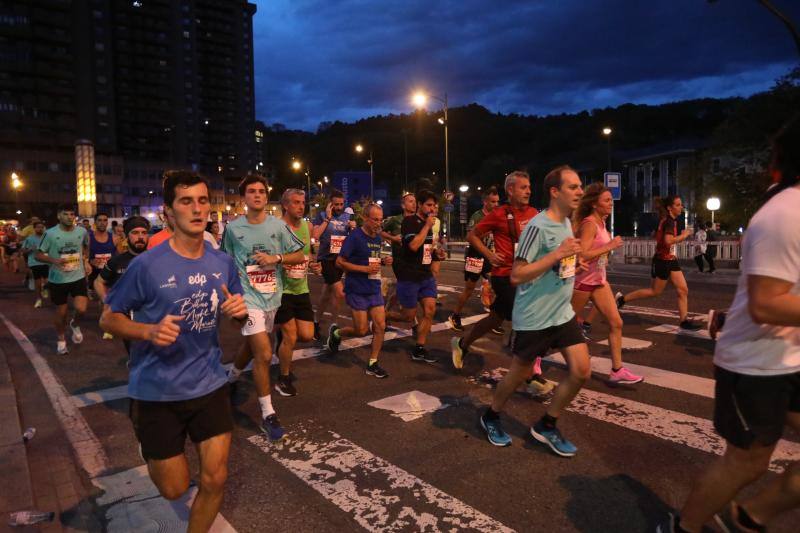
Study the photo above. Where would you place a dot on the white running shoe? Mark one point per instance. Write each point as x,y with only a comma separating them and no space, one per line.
61,348
77,336
38,303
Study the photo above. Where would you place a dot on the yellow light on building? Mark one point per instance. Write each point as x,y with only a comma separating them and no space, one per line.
84,173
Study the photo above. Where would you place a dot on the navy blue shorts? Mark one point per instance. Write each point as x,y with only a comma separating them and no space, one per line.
363,302
411,292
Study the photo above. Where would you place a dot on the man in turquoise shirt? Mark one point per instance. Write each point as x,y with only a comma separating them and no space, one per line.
65,247
260,246
544,272
39,270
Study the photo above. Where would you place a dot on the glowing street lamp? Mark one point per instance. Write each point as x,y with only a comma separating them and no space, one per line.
296,166
420,100
360,149
712,204
607,132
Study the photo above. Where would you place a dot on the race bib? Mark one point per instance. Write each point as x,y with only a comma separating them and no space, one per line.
427,254
262,278
102,259
336,243
375,261
673,250
297,271
566,267
474,265
602,261
71,262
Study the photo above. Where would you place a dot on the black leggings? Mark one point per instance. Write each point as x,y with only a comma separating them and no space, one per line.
708,257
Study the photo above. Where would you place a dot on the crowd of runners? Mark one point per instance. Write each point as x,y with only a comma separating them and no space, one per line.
165,294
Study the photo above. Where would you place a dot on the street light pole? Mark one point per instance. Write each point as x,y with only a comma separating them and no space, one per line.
607,132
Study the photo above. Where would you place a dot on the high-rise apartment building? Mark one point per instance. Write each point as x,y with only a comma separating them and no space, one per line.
154,84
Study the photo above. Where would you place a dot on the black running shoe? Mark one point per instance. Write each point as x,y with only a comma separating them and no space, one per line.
688,325
620,298
455,322
420,354
333,342
285,387
375,370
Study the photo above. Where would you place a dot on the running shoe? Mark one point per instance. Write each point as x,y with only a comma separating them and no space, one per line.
375,370
499,330
45,293
586,329
537,366
620,298
554,440
458,352
38,303
539,386
688,325
333,342
716,320
494,432
455,322
728,520
31,284
77,336
107,336
420,354
668,525
61,348
623,376
284,386
317,334
272,428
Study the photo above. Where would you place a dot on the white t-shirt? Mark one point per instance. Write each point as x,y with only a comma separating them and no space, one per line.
772,249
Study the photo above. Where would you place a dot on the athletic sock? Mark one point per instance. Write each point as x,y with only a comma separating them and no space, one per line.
746,520
372,362
419,348
549,422
490,414
266,406
616,369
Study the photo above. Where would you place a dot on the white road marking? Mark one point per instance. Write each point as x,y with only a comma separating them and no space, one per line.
378,495
630,344
675,330
652,376
673,426
663,313
409,405
158,515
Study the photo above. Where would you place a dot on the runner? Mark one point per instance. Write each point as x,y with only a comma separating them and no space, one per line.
330,229
475,264
391,233
596,244
505,224
64,248
39,270
177,386
544,271
23,234
11,246
757,358
119,239
415,282
361,259
260,245
163,235
701,245
136,230
101,247
665,263
295,315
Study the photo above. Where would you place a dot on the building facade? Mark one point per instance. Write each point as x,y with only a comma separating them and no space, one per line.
154,84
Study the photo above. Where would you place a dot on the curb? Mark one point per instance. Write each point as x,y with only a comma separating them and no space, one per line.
16,492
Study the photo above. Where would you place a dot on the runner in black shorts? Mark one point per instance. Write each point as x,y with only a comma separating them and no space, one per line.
475,264
757,358
39,270
295,316
178,293
665,263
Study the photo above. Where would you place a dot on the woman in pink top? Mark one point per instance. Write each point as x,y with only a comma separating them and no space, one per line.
596,205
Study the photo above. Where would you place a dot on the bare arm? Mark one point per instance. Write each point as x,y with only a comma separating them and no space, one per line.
317,232
419,240
350,267
587,233
100,288
294,258
394,239
770,301
120,325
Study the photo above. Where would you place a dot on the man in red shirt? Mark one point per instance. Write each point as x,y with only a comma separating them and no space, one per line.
505,223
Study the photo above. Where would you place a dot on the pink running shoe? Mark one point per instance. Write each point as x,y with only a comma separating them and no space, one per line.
623,376
537,366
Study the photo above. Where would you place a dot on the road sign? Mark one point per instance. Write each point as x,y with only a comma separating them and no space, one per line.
613,182
448,208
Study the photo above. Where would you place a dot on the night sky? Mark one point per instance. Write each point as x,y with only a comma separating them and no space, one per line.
323,60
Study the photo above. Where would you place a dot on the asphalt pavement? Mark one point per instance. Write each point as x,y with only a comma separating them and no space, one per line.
406,453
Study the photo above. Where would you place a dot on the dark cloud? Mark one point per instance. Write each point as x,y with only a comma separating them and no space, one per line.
320,60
